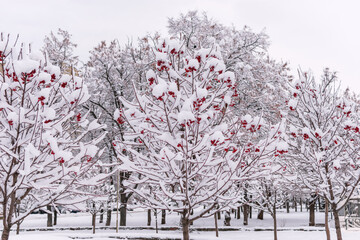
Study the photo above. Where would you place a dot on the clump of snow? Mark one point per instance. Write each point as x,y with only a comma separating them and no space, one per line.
160,88
37,55
292,104
53,70
161,56
12,116
282,146
25,65
150,74
215,65
218,136
227,76
44,76
193,64
49,113
45,92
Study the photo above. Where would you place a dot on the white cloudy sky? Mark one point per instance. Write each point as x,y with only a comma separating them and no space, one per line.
307,33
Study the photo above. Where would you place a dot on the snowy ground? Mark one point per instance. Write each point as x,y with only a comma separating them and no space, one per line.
232,235
289,228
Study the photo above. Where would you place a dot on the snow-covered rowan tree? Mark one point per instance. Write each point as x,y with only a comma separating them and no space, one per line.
110,71
94,206
271,191
60,50
183,144
269,194
323,134
262,81
44,157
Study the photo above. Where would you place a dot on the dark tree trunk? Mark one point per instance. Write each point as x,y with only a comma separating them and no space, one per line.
275,224
149,217
227,218
5,233
295,205
19,222
192,213
246,207
18,228
49,217
123,209
216,226
337,222
185,227
156,220
246,214
101,220
55,217
250,211
260,215
219,215
312,212
238,215
301,205
287,206
163,216
123,198
108,217
327,229
93,222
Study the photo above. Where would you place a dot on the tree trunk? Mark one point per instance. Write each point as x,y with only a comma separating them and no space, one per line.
216,226
250,211
49,217
108,217
295,205
5,233
260,215
301,205
337,221
275,225
123,214
123,198
149,217
55,217
101,220
246,214
185,227
312,212
219,215
18,228
163,216
93,222
227,218
287,206
238,215
327,229
156,220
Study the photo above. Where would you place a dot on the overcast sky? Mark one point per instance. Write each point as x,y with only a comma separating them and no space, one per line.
307,33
